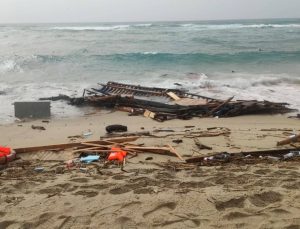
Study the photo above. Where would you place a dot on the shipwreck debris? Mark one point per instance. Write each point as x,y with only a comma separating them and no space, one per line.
162,104
290,139
201,145
245,157
32,109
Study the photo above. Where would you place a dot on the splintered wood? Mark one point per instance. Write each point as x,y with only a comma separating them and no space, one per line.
105,146
162,104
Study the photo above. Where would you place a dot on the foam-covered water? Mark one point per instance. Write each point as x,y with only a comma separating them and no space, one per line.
257,59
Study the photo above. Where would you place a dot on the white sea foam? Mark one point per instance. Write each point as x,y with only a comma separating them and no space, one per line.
237,26
275,88
99,28
9,66
34,91
150,53
143,25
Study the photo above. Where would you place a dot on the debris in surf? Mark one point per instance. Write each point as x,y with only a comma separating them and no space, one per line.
163,104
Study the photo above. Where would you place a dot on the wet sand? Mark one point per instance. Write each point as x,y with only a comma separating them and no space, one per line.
151,193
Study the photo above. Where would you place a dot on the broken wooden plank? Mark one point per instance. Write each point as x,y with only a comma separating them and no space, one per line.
191,102
292,138
221,105
156,150
201,145
175,152
71,145
149,114
139,133
173,95
274,152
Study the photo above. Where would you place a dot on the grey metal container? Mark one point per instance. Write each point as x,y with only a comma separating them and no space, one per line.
32,109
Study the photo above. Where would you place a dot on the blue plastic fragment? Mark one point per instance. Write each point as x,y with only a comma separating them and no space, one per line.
90,158
39,169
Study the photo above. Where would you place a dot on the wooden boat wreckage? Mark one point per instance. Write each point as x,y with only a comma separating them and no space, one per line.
163,104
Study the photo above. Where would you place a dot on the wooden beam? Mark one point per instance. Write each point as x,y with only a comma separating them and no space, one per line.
74,144
175,152
173,95
293,138
221,105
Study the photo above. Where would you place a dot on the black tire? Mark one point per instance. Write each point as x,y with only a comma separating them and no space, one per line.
116,128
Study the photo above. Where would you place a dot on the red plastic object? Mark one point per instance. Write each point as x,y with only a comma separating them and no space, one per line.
4,151
119,155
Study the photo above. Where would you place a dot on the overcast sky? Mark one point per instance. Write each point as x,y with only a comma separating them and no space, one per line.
143,10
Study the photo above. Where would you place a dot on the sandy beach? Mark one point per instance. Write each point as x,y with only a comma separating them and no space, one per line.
150,194
140,114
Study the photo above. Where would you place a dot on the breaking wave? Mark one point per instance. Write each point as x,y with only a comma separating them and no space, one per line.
192,26
9,65
192,58
237,26
99,28
19,63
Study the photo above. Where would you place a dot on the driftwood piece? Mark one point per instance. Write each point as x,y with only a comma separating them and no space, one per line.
200,145
277,129
84,149
37,127
56,98
173,95
71,145
221,105
293,138
138,149
177,141
274,153
175,152
140,133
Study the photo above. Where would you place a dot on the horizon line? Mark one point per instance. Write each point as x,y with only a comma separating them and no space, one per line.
154,21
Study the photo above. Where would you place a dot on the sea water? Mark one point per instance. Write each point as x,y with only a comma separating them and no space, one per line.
248,59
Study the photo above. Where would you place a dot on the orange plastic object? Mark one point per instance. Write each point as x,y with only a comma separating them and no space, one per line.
4,151
119,155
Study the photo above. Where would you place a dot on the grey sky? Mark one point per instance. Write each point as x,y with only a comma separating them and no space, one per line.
143,10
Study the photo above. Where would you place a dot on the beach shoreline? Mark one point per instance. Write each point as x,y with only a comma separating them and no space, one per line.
148,194
21,134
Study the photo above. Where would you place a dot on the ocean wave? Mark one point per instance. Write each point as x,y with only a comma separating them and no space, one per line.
20,63
236,26
143,25
9,65
100,28
150,53
191,58
248,80
187,26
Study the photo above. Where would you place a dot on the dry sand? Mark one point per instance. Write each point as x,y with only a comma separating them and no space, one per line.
148,194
